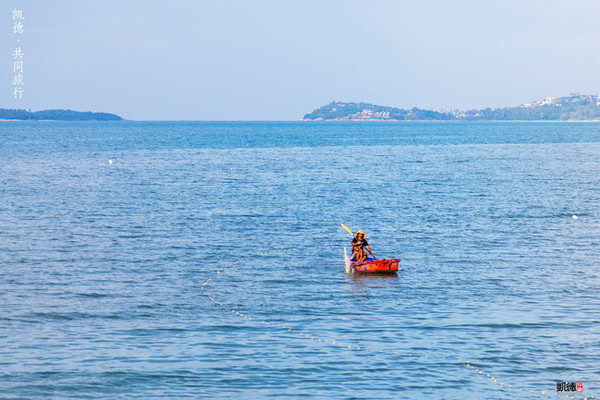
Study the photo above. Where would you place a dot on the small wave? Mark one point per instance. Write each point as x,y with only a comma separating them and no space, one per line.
524,325
71,316
92,295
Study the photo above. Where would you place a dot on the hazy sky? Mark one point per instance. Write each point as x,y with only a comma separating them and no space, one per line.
277,60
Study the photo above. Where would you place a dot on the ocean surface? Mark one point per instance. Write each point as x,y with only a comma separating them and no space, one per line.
112,234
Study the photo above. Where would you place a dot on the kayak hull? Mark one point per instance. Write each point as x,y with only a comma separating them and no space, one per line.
389,266
371,265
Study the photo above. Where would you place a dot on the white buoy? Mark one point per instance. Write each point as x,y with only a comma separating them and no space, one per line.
110,161
575,216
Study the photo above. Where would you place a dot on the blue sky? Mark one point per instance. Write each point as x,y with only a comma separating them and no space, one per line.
277,60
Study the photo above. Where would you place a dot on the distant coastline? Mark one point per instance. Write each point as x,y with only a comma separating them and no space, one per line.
573,108
7,114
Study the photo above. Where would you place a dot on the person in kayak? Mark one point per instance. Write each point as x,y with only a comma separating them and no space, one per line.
359,244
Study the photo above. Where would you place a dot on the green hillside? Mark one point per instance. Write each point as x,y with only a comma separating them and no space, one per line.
571,108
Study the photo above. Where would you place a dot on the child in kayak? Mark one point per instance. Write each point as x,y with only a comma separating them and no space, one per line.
359,244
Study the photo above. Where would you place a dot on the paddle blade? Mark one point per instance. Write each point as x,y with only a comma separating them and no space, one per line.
346,228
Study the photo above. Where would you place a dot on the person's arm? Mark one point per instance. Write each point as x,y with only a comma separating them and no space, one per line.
369,250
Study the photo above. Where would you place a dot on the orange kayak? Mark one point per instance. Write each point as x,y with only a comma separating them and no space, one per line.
372,266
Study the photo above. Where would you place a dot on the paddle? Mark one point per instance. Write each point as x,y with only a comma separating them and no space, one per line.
348,229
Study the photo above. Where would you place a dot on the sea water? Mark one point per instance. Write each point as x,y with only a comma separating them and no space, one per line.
112,234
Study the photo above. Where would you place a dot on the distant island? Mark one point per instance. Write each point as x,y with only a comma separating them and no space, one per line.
58,115
576,107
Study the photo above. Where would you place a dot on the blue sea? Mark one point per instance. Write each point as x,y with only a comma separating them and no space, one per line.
186,260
